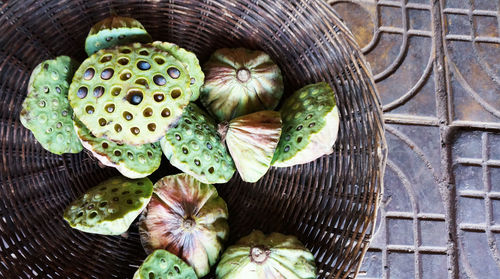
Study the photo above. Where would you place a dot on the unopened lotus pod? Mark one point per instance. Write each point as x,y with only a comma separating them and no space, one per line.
240,81
115,31
273,256
110,207
130,94
191,63
133,161
163,264
310,125
252,140
46,110
187,218
194,146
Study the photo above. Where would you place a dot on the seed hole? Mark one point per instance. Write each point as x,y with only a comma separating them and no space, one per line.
197,162
103,204
118,128
299,127
116,91
102,122
152,127
90,206
173,72
106,58
109,39
46,89
134,97
151,275
138,192
107,73
123,61
159,80
58,90
118,153
59,125
104,145
177,269
299,139
312,124
89,109
125,50
140,183
116,199
150,155
209,146
309,116
114,190
175,93
165,112
80,214
178,137
110,108
143,65
135,130
127,115
130,155
287,138
129,201
159,97
159,60
93,214
142,82
125,192
148,112
143,52
125,76
287,148
192,81
98,91
211,170
185,150
188,121
82,92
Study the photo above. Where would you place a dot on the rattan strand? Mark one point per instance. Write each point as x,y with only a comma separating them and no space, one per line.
330,204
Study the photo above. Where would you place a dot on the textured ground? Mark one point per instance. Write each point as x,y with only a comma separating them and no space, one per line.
437,68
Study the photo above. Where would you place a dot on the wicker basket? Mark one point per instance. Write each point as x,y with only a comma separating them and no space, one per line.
330,204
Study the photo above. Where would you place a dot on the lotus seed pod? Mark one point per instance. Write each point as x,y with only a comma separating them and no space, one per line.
190,62
162,264
240,81
310,125
252,140
133,161
115,31
194,146
130,94
274,256
46,110
110,207
187,218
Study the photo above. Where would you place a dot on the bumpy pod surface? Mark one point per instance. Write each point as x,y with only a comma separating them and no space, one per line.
240,81
133,161
130,94
162,264
194,146
110,207
115,31
187,218
252,140
275,256
191,63
46,110
310,125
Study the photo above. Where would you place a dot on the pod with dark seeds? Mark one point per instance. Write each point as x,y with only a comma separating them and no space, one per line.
133,161
273,256
146,100
46,110
310,125
165,265
252,140
194,146
191,63
110,207
187,218
115,31
240,81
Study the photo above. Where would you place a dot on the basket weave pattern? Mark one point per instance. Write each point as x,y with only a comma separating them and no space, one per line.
330,204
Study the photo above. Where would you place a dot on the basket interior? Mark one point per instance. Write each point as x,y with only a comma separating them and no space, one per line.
330,204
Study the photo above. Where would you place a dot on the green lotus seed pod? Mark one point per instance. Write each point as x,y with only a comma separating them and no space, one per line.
133,161
115,31
274,256
110,207
240,81
187,218
46,110
252,140
130,94
162,264
194,146
190,62
310,125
